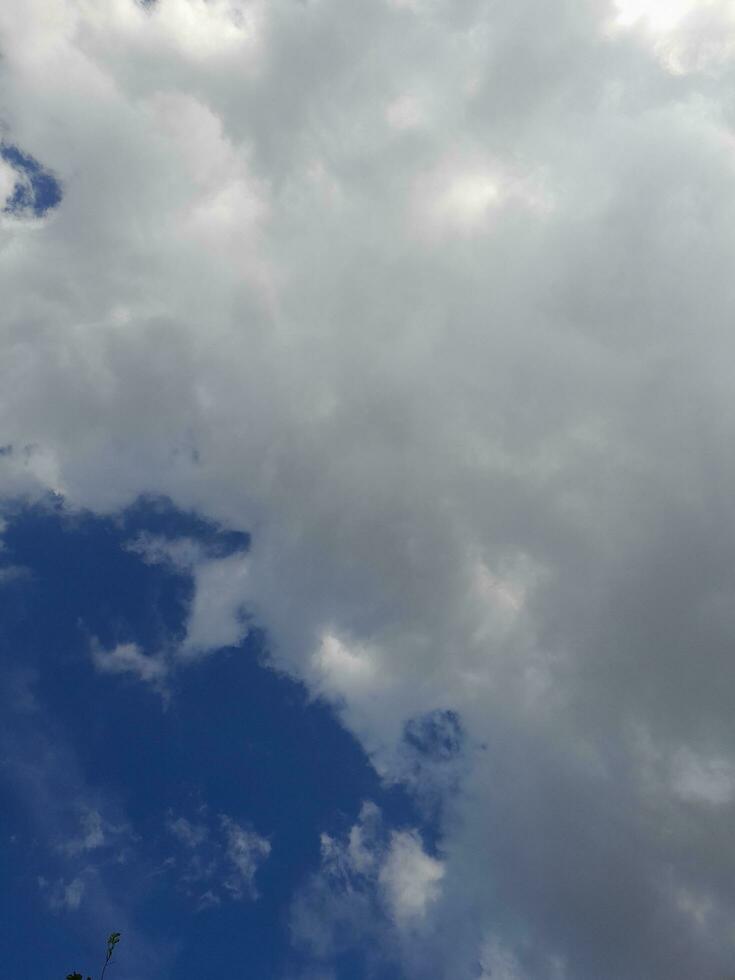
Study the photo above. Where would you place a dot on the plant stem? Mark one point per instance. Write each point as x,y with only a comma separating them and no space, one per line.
109,956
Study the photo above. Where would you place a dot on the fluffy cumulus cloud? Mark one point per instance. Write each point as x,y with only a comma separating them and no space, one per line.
434,299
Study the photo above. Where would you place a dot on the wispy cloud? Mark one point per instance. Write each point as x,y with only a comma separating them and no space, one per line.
219,858
95,832
62,895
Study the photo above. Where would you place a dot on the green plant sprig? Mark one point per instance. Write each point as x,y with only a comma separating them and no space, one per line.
112,940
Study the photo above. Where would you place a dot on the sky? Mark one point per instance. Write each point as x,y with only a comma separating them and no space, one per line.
367,559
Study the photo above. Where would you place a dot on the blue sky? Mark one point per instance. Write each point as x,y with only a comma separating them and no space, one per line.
367,560
34,189
98,772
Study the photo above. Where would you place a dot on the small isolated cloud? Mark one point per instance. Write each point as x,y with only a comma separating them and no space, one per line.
128,658
218,859
207,900
190,834
93,834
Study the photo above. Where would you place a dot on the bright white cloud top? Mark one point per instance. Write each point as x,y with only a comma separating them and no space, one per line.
434,299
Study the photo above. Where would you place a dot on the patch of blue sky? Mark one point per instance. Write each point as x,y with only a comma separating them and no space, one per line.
437,735
99,758
36,190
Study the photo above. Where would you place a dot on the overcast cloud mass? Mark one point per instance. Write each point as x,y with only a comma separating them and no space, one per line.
434,300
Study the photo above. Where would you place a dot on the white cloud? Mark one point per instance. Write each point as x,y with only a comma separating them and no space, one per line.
93,835
8,180
12,573
95,832
220,859
188,833
183,553
405,112
246,851
707,780
686,35
216,617
461,365
63,895
497,963
73,893
203,30
342,672
658,15
208,900
374,888
128,658
410,878
456,198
